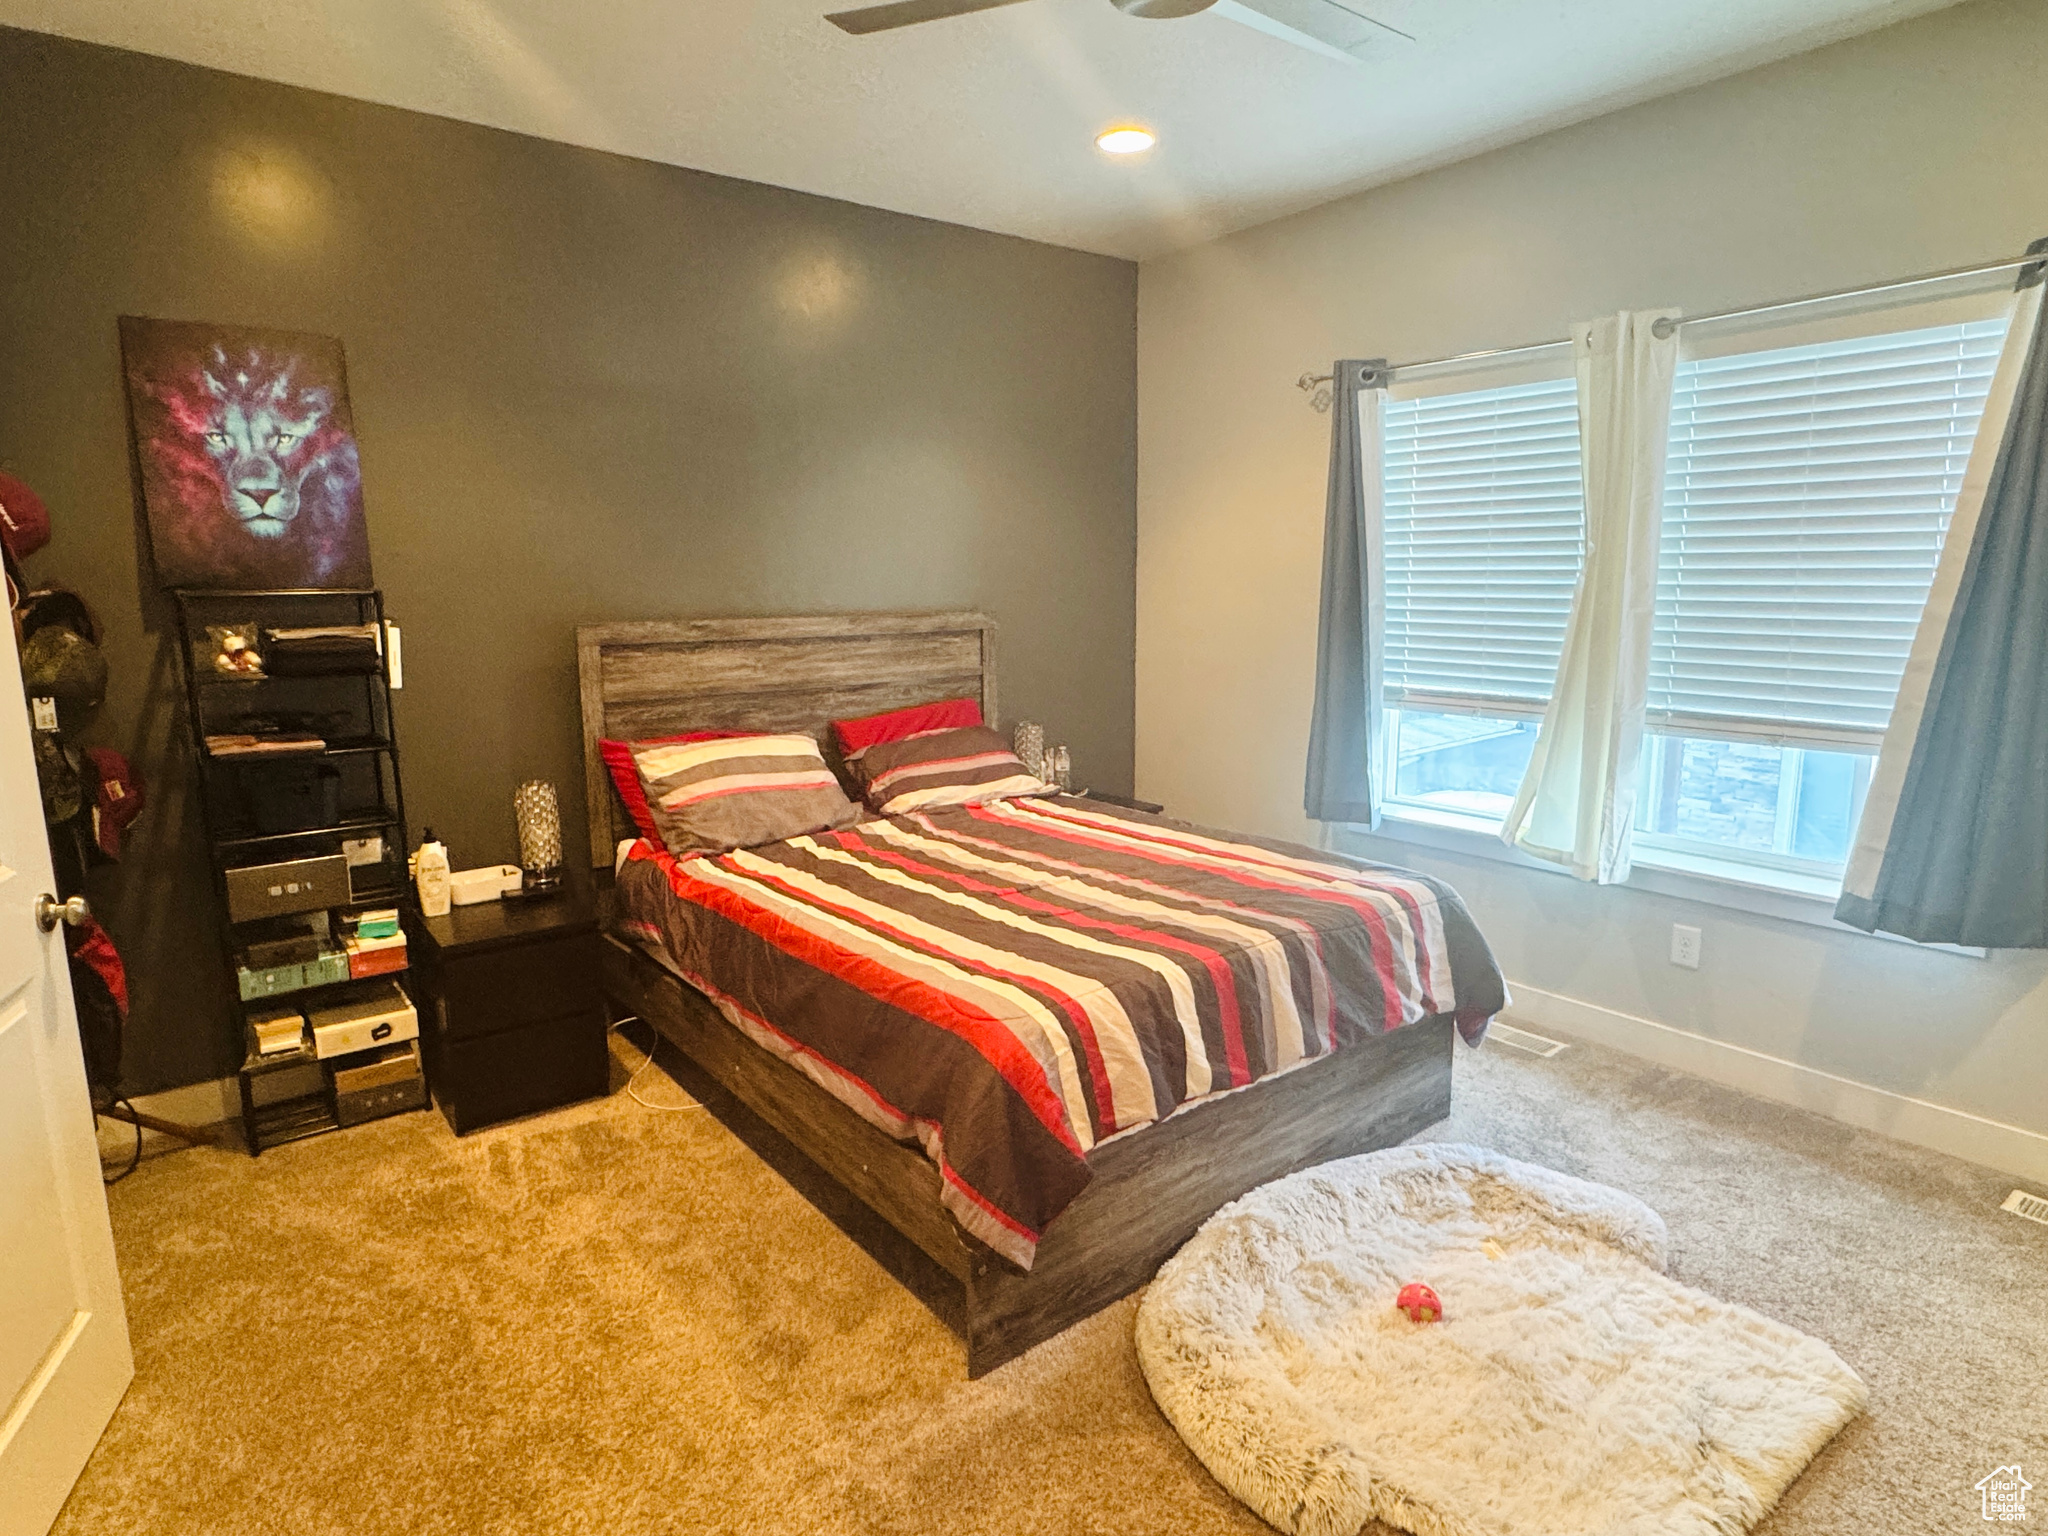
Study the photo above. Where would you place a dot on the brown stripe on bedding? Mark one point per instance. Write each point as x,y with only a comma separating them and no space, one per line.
1135,894
1104,1004
1034,917
1159,996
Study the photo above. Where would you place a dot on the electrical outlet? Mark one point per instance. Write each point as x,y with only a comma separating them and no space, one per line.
1685,946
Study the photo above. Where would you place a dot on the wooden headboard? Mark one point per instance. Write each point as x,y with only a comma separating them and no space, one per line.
658,677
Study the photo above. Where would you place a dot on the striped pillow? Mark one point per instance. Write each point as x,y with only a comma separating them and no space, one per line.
738,791
618,762
934,768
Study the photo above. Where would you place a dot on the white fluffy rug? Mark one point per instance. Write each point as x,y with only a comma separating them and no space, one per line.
1571,1388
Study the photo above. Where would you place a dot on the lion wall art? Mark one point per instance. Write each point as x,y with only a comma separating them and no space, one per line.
248,456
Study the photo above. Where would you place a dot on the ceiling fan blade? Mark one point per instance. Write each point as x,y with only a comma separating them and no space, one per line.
1322,26
908,13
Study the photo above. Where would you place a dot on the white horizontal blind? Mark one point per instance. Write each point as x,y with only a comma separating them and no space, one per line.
1806,496
1480,537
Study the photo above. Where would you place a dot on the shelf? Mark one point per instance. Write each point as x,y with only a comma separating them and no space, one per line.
303,1118
360,822
344,746
224,594
245,679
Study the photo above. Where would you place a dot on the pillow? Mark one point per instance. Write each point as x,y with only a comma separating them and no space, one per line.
935,768
856,736
737,791
618,762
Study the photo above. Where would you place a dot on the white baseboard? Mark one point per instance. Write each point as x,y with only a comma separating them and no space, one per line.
1994,1144
195,1104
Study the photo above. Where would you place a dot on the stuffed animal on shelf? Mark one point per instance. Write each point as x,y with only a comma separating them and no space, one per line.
1420,1303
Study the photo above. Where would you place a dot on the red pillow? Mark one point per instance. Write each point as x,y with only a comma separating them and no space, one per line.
870,730
618,762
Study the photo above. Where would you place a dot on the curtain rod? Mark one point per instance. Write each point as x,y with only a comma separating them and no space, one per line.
1311,381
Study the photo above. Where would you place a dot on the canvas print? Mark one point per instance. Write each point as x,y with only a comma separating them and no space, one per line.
248,454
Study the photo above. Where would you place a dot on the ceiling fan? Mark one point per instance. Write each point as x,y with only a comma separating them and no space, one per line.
1333,28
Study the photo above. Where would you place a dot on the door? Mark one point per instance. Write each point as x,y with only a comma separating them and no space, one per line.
64,1358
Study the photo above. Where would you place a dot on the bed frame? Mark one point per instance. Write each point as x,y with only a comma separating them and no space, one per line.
1151,1189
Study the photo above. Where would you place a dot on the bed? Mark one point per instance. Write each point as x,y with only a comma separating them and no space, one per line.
1101,1203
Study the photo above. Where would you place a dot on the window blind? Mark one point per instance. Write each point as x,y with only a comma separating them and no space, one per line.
1481,520
1806,496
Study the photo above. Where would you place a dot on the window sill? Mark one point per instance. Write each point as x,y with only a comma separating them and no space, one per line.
1781,894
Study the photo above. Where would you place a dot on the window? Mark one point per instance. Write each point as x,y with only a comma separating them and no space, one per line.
1808,490
1807,493
1480,534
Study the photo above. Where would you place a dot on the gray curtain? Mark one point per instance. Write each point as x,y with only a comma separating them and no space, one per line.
1966,858
1341,771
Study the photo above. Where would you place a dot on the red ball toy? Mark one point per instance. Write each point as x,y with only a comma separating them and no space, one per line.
1420,1303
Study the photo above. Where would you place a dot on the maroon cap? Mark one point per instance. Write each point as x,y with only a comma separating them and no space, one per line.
119,801
24,520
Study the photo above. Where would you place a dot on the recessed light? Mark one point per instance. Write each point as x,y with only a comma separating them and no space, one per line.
1125,141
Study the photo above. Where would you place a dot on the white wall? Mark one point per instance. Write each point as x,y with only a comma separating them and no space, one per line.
1913,148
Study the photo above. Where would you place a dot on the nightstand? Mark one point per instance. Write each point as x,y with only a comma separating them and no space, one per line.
511,1011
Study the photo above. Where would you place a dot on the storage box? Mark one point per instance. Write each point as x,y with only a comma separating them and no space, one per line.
279,1031
384,1016
301,1080
375,957
467,887
378,923
385,1099
287,801
392,1064
286,943
258,981
278,890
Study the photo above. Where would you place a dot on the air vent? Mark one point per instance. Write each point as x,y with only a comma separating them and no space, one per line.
1535,1045
2033,1207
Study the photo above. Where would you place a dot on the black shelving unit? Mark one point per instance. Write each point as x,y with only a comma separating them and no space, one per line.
289,1096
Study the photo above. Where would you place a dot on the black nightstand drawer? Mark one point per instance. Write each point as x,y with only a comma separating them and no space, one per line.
512,1010
523,984
521,1071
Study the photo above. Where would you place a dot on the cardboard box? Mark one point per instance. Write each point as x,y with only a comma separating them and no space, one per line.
384,1099
385,1016
375,957
394,1064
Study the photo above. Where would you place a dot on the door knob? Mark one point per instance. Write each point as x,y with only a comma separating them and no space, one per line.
50,911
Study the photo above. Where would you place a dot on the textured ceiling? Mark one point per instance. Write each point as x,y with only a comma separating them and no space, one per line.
988,120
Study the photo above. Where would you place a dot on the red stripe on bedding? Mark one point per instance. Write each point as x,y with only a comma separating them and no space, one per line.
926,1131
1084,1027
1392,1015
981,1030
1325,876
1228,1016
1304,932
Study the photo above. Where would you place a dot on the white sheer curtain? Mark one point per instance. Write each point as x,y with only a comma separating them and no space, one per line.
1576,805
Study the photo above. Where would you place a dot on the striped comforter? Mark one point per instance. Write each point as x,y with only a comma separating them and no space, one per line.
1014,983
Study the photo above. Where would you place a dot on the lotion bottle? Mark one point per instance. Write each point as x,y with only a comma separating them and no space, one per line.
430,873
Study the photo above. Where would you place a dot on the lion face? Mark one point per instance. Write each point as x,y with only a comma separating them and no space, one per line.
258,431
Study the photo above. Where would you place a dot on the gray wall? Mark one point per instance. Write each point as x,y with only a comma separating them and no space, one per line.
1913,148
585,387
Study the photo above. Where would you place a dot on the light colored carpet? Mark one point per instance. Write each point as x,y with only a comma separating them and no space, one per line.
617,1320
1570,1387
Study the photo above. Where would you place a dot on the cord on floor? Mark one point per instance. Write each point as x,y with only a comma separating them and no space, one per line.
135,1157
647,1060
